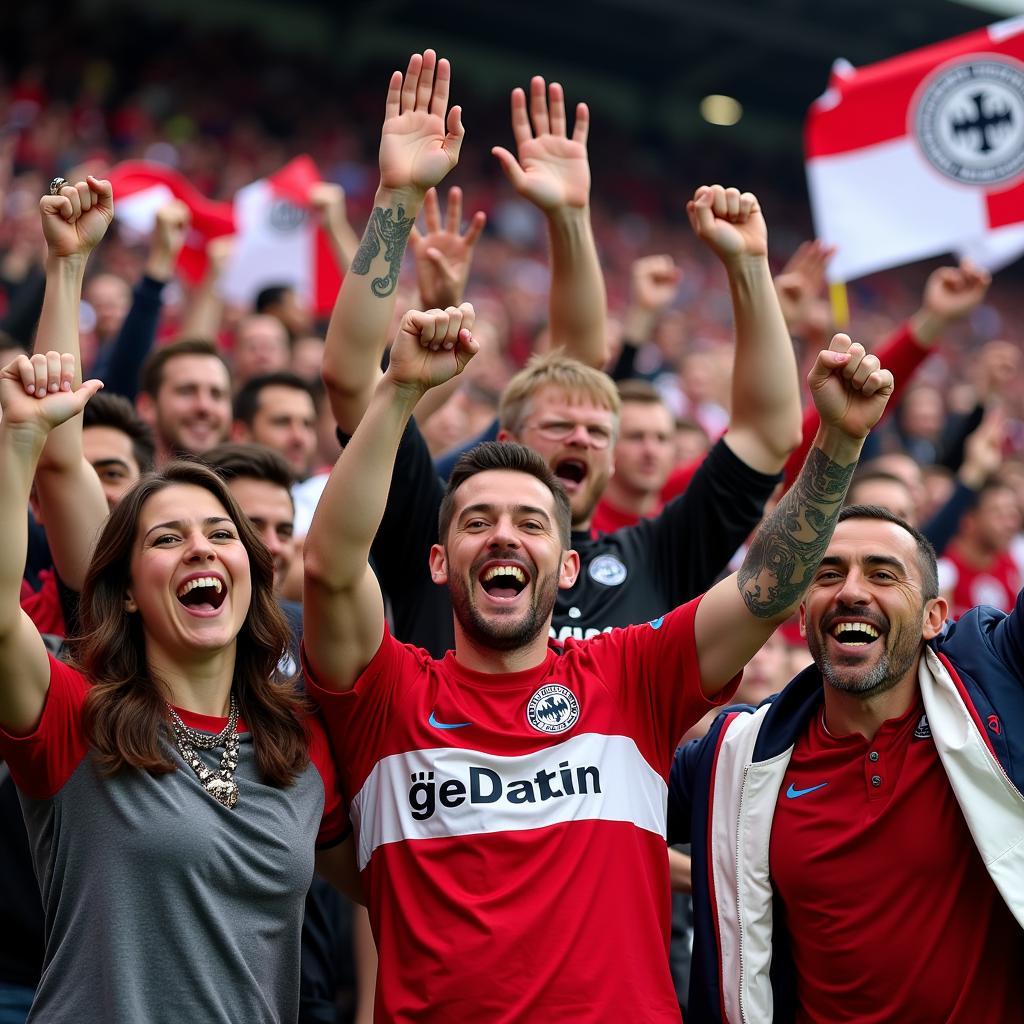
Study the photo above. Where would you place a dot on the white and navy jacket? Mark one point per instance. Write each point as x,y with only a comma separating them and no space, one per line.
724,788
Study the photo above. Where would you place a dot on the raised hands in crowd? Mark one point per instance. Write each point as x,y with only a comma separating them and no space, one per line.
372,399
77,217
169,233
443,251
800,286
421,137
653,284
550,167
949,294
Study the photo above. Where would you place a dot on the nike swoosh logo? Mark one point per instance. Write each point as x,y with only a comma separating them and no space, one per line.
446,725
793,792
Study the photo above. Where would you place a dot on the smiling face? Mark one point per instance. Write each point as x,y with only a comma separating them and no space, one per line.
285,420
192,411
645,450
865,614
272,512
111,454
190,578
576,437
503,559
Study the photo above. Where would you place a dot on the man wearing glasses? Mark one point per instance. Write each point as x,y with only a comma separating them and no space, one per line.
569,413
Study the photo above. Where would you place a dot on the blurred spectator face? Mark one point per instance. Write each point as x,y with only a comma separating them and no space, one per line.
908,471
110,453
691,442
285,420
645,450
271,511
307,357
193,406
995,520
671,336
110,298
999,366
292,312
938,488
1012,474
891,494
923,412
261,346
766,673
697,378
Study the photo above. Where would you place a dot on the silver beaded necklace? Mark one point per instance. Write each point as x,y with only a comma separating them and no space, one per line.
219,783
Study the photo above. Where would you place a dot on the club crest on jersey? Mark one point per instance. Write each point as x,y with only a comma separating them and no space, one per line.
553,709
923,730
607,569
969,120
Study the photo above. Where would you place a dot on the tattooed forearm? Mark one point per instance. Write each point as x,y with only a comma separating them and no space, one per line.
791,541
392,229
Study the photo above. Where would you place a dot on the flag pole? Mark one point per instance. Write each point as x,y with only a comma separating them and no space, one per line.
840,304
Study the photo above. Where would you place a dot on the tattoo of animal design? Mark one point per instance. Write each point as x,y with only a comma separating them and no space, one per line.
391,229
792,540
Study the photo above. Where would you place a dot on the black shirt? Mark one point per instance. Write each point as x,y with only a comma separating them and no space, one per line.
630,576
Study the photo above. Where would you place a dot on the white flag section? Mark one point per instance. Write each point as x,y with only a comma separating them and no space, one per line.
922,155
997,249
275,243
278,242
138,211
141,188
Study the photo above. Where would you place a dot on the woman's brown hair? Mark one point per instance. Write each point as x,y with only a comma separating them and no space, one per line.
125,710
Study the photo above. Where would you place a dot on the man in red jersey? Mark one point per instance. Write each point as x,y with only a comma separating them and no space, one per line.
977,566
858,840
510,797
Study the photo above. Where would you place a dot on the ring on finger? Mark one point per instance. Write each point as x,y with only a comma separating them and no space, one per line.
56,184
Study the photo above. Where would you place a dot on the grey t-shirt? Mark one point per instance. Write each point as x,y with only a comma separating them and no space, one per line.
161,904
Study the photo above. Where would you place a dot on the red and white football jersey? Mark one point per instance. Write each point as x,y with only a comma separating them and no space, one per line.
510,828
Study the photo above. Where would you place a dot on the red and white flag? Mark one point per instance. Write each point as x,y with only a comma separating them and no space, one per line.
922,154
279,242
141,188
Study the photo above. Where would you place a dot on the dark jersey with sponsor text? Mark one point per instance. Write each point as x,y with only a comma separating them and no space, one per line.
627,577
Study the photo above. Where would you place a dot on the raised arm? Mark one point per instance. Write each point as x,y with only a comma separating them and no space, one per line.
653,283
950,293
764,425
737,615
36,396
419,145
204,308
121,364
553,172
800,286
443,255
343,612
328,201
70,497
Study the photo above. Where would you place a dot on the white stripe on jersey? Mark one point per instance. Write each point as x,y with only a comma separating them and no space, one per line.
452,791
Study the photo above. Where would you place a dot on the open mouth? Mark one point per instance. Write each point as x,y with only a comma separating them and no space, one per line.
854,634
571,471
504,581
202,593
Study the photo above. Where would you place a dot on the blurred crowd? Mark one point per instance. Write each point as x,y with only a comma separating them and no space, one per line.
950,455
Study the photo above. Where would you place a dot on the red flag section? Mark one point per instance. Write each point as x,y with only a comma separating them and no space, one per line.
141,188
921,154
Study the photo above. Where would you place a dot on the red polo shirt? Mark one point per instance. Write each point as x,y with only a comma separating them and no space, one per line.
892,915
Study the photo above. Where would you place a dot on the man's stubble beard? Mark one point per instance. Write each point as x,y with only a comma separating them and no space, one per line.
890,668
498,634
